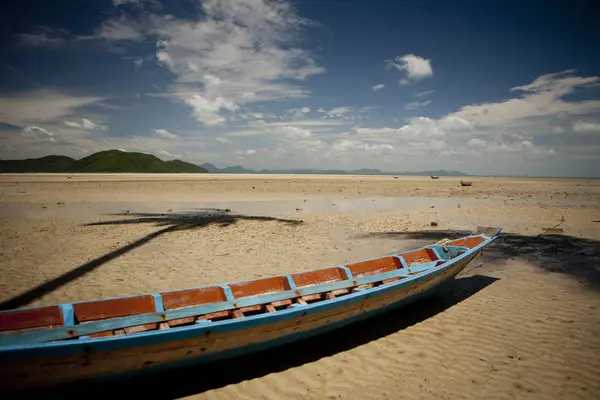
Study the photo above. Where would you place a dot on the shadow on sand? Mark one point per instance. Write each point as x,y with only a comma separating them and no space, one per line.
574,256
171,222
201,378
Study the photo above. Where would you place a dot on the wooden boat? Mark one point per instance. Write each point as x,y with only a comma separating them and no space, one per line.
435,177
106,338
466,183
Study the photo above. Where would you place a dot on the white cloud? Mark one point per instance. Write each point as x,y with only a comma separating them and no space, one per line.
38,132
166,154
222,140
207,110
417,104
378,87
415,67
46,39
586,127
305,122
294,131
164,134
543,98
86,124
121,29
336,111
250,151
36,107
424,93
138,62
298,113
237,52
346,145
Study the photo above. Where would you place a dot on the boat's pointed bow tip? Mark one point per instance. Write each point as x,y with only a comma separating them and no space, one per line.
488,231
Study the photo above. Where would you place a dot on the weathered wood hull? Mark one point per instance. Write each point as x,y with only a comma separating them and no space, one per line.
111,357
48,357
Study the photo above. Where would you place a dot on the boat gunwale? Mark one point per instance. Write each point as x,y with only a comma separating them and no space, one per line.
250,320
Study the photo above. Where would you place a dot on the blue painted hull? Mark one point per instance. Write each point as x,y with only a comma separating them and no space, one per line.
281,341
106,358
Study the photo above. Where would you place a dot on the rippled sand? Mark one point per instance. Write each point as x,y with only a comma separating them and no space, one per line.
522,321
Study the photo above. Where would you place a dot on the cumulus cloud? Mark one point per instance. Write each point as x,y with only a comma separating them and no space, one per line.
298,113
207,110
86,124
346,145
235,53
336,112
542,98
517,125
294,131
378,87
304,122
346,114
164,134
413,67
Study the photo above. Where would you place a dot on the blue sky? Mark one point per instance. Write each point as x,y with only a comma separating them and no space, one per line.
495,87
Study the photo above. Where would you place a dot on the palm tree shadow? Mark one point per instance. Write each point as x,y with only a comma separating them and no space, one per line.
171,222
569,255
191,380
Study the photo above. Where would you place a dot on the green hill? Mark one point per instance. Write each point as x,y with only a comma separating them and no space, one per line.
103,161
182,166
43,164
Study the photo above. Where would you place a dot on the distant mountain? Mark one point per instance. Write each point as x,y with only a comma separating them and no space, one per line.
43,164
104,161
237,169
209,167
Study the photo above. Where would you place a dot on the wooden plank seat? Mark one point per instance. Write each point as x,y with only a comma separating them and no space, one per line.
33,319
259,287
141,307
376,266
320,277
420,256
93,311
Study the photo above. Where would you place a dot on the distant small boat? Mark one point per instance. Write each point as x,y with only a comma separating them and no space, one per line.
435,177
466,183
106,338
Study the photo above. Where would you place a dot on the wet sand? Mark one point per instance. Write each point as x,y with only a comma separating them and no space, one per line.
521,321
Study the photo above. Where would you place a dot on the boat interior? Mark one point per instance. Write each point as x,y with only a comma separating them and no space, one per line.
167,310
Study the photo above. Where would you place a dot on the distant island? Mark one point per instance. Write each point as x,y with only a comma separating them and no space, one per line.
103,161
116,161
237,169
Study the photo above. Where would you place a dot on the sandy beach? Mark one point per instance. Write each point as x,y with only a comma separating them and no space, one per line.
522,321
